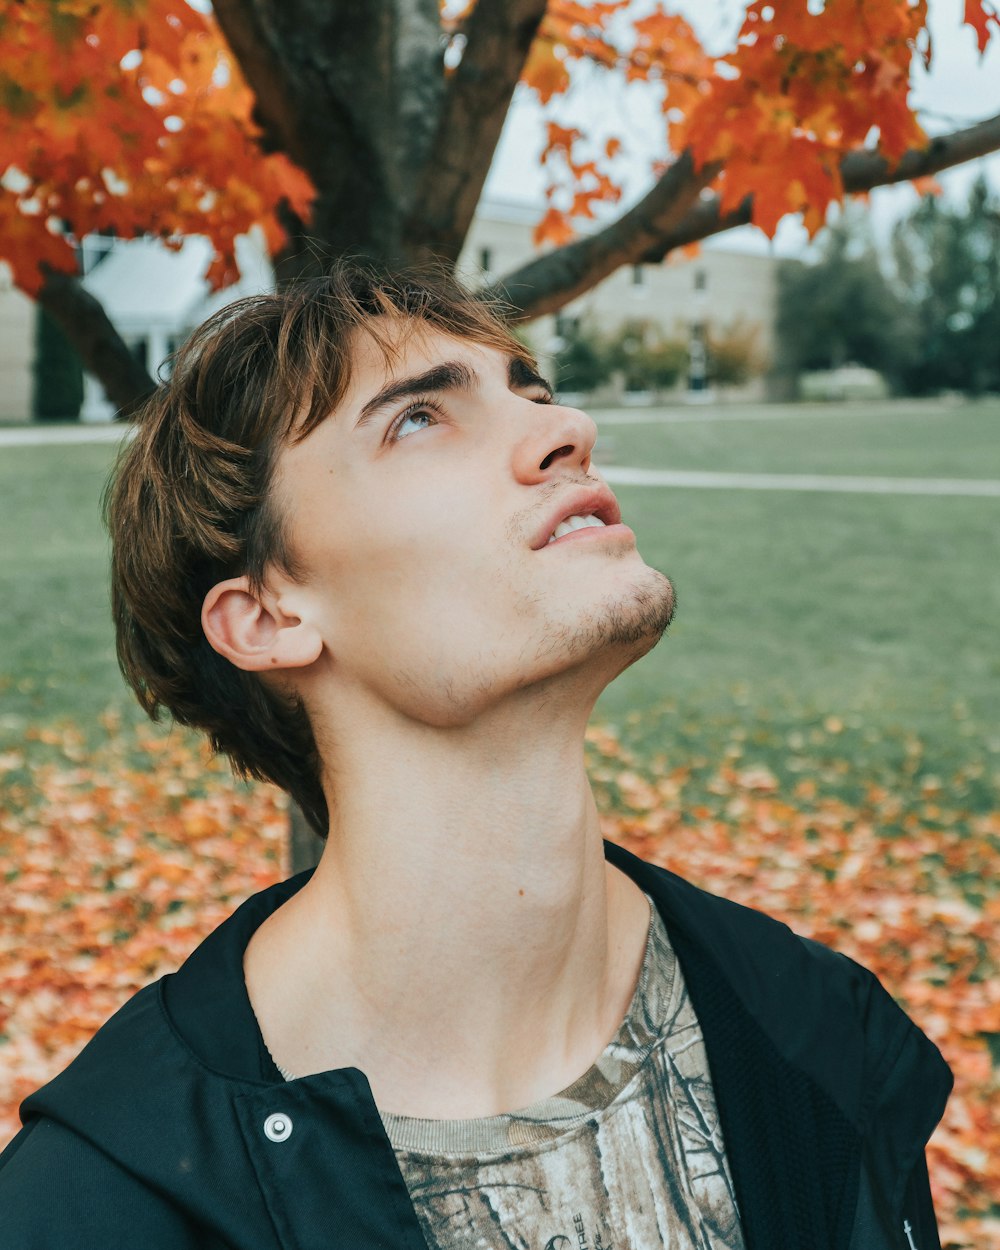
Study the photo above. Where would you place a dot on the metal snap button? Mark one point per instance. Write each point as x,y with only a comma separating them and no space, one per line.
278,1127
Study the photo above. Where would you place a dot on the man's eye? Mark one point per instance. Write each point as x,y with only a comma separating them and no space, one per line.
413,413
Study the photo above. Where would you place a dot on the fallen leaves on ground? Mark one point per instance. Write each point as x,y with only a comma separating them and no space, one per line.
119,860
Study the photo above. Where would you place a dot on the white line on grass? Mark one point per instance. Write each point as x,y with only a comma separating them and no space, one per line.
777,412
37,435
799,481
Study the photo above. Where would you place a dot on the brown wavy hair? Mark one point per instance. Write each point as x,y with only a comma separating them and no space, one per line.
188,503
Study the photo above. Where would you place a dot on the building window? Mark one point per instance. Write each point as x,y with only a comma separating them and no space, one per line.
638,275
486,259
94,248
140,351
700,280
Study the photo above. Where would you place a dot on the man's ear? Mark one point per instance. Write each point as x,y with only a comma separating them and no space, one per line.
253,632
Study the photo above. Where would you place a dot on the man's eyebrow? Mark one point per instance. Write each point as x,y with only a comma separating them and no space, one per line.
453,375
521,373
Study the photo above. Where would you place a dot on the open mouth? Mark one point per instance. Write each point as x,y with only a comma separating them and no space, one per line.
575,523
593,508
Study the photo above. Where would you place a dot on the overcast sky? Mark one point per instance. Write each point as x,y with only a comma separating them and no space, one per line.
960,88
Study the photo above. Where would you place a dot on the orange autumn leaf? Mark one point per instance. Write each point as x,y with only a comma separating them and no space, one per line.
33,236
554,228
927,186
545,71
981,15
560,139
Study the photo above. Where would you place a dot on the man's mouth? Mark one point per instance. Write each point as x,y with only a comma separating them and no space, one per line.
579,509
575,523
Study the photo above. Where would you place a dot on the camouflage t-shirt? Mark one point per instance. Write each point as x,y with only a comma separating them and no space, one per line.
629,1157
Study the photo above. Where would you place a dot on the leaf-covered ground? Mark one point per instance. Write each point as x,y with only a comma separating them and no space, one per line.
118,860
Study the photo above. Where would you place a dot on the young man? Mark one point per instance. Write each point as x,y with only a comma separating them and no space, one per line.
358,543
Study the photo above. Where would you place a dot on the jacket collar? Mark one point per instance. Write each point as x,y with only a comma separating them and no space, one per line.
207,997
732,957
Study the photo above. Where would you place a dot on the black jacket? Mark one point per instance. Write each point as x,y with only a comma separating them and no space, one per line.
173,1130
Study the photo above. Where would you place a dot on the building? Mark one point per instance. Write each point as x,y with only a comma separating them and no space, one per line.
17,346
719,291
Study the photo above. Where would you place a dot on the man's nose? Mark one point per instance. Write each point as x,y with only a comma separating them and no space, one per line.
557,438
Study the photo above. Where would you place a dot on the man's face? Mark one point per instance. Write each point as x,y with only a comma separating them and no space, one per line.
419,513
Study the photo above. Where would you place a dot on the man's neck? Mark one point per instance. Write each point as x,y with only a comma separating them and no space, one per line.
463,941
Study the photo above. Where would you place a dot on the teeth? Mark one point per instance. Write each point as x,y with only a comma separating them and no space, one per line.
574,523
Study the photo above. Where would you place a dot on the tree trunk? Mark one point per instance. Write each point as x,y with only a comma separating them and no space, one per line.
305,847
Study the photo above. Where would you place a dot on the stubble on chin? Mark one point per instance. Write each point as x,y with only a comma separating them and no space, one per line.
643,617
635,621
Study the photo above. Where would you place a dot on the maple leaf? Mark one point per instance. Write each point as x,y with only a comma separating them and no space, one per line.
981,16
560,139
545,70
553,228
927,185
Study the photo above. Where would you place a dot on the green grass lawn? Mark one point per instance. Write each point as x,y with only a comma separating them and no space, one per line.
811,628
56,644
898,439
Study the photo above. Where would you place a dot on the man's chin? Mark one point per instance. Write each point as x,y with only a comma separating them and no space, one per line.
644,616
624,629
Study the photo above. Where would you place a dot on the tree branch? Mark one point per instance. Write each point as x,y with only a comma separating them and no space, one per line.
862,171
100,347
477,98
547,283
539,287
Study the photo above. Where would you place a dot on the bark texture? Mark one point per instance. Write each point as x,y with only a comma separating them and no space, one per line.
351,92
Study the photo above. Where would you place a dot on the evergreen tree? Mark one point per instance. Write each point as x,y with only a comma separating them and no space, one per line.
57,389
947,263
840,309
